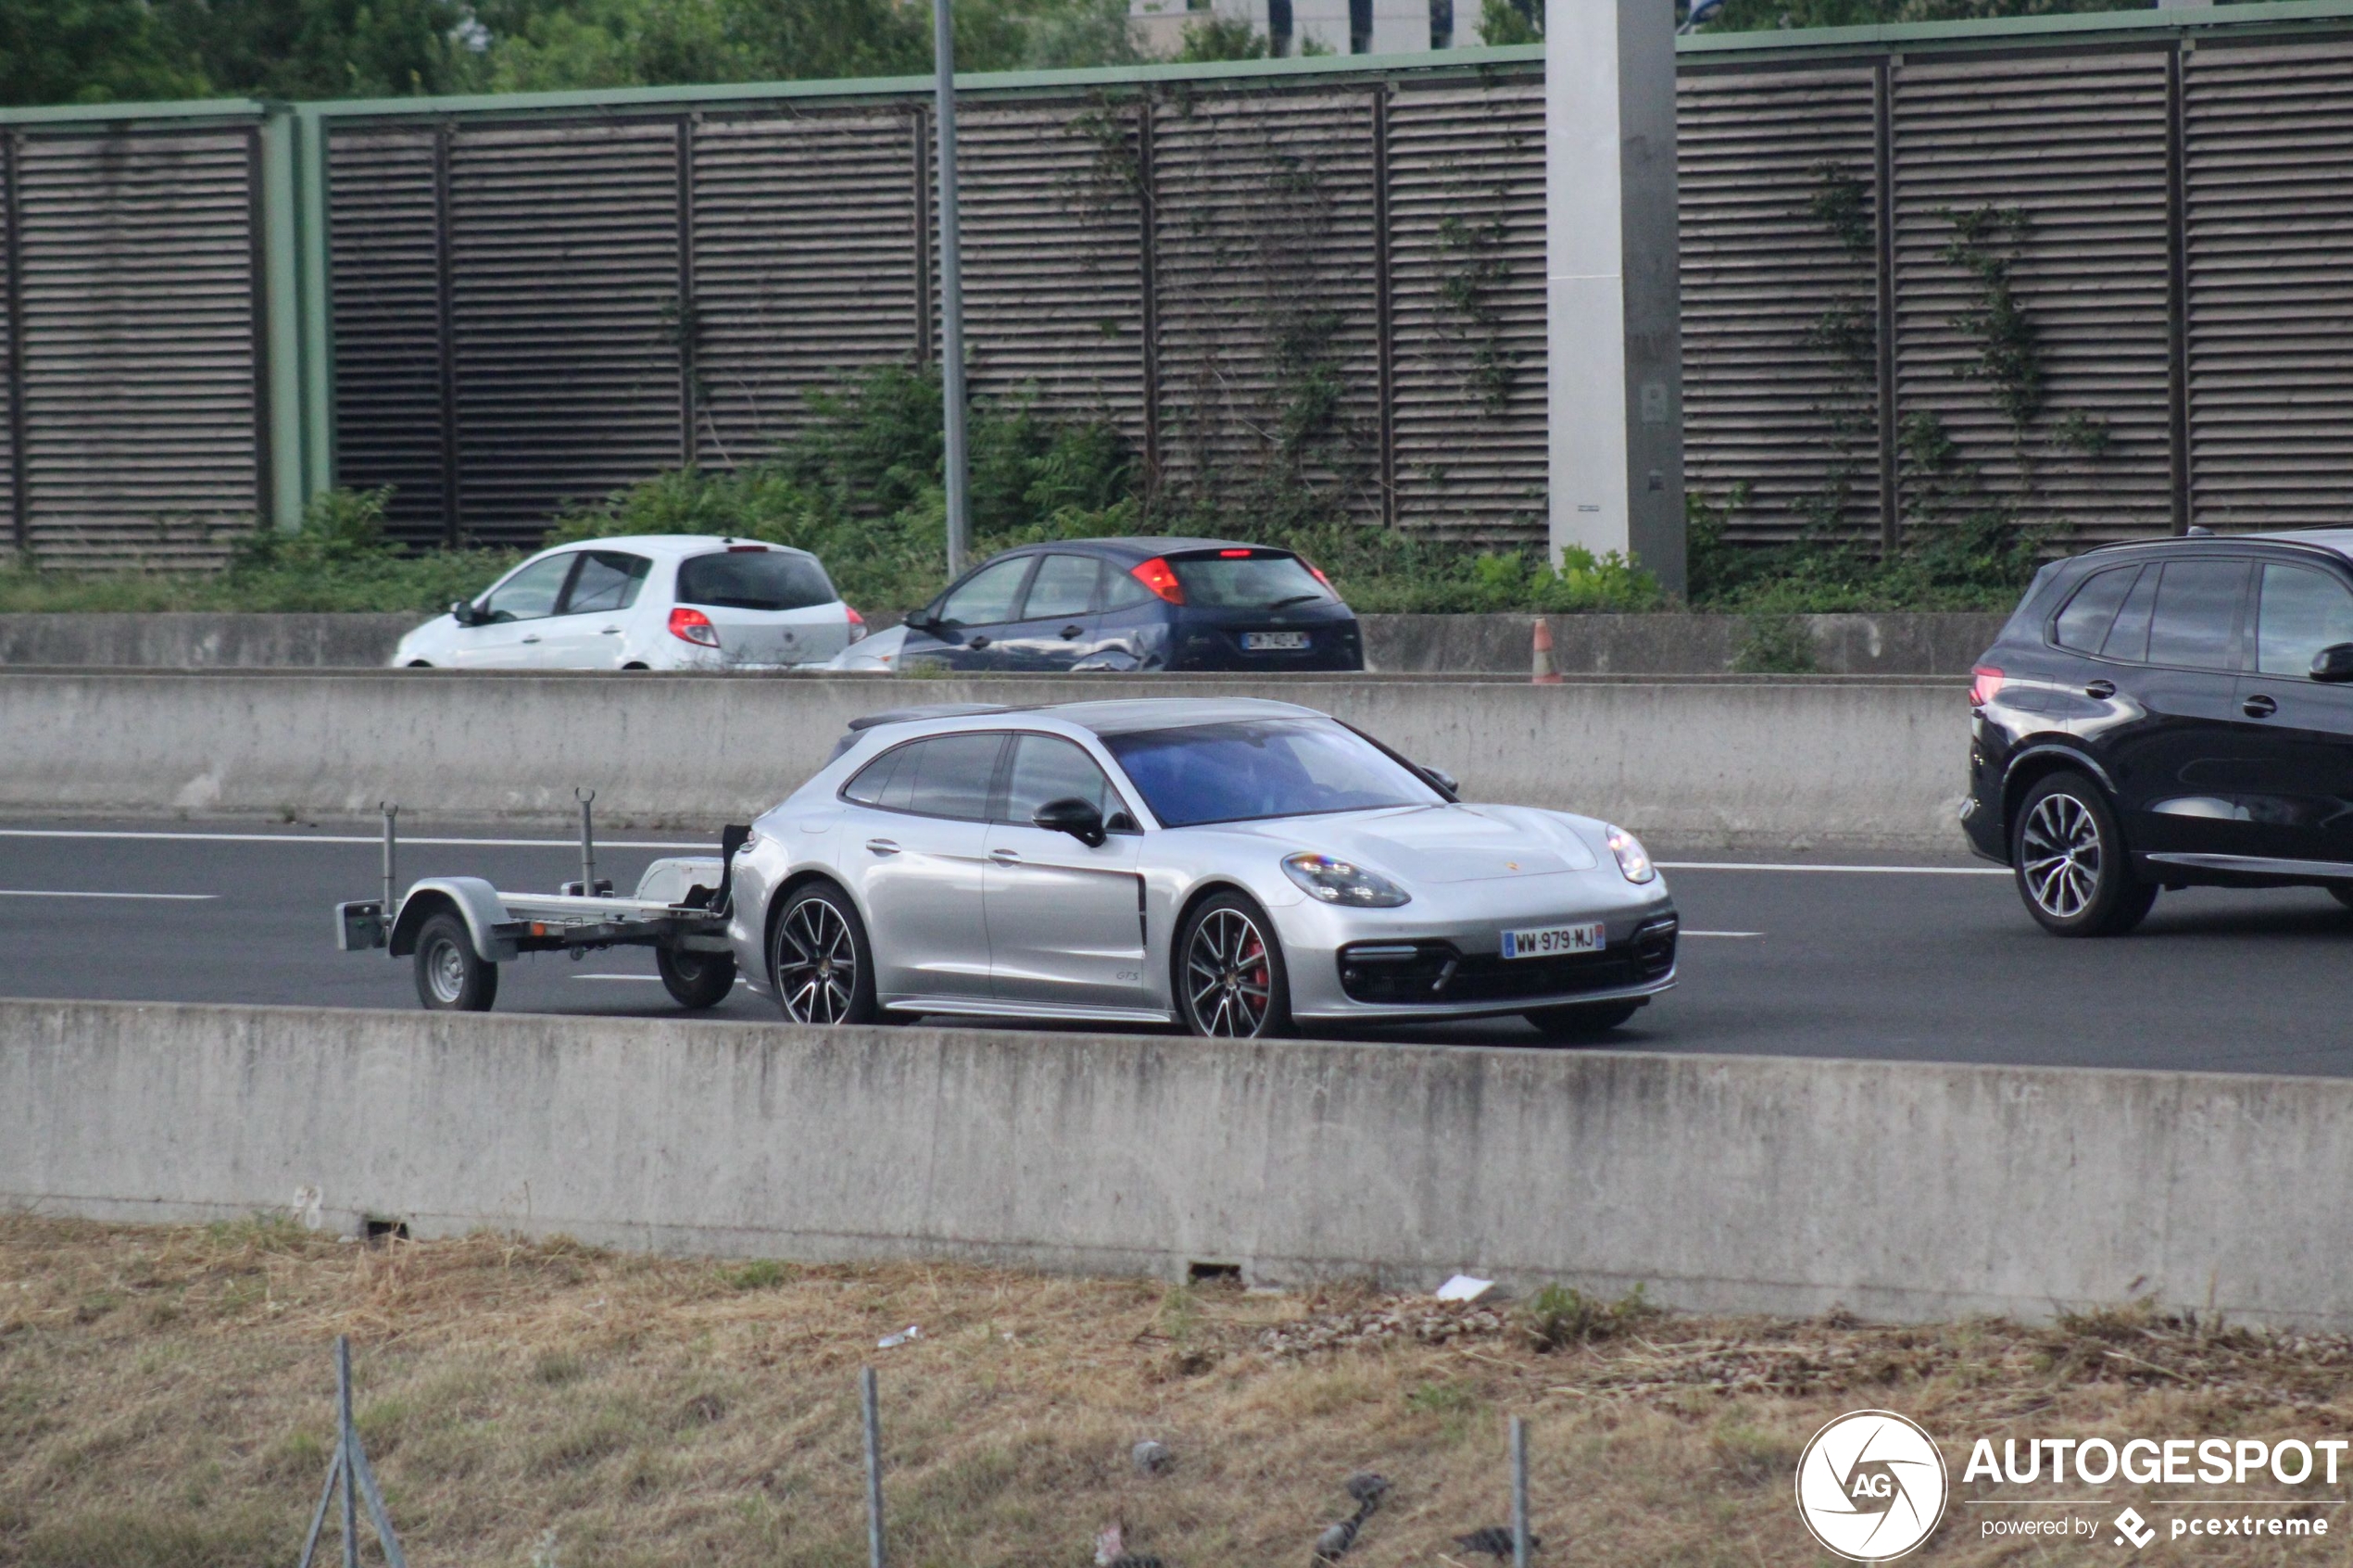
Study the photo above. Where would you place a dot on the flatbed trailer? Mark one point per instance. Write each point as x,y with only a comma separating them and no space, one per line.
458,929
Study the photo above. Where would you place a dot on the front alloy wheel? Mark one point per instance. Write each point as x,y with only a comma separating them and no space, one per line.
819,960
2072,870
1231,980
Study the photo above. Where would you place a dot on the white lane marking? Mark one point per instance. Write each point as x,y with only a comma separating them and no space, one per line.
162,897
346,838
1720,934
1876,871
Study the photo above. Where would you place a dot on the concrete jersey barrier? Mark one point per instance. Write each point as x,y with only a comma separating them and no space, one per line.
1747,1184
1625,645
1766,762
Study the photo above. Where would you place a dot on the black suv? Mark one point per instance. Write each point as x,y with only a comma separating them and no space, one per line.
2160,714
1138,604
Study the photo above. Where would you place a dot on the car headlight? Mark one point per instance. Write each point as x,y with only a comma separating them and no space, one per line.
1337,881
1632,859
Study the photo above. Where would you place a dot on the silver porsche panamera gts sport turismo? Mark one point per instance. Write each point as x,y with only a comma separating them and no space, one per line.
1231,866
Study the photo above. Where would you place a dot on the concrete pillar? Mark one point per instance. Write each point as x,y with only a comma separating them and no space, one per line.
1614,342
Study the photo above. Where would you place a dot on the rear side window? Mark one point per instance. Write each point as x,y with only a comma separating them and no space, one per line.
768,579
1246,581
2301,612
2195,624
1124,590
608,580
946,776
1064,586
2084,624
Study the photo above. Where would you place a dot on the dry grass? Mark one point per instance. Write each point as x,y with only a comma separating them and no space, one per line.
165,1402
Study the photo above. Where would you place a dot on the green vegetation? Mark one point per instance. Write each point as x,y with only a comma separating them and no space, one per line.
860,488
1743,15
338,559
1979,562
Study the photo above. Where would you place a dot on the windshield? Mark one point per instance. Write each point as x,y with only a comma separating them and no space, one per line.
1255,768
753,580
1246,581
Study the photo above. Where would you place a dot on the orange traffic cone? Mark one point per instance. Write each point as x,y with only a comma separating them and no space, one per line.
1543,675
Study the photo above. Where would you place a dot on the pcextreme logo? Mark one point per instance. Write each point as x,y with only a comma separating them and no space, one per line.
1870,1485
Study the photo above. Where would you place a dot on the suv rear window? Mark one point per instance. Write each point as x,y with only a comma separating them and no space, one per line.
753,580
1257,582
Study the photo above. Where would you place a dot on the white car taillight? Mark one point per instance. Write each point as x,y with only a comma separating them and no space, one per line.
692,626
857,623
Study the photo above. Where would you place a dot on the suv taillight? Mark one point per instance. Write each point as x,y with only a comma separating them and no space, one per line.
1985,684
1161,577
692,626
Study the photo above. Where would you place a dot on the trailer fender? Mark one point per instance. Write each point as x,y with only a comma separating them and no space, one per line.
476,902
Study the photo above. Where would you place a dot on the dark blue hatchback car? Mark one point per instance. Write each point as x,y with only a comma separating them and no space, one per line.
1138,604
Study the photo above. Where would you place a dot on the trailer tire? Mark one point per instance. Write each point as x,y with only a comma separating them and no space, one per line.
452,977
696,981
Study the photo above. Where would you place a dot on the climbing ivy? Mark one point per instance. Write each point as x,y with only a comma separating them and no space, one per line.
1473,273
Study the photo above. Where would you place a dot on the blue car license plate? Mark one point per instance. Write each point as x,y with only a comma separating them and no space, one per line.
1274,641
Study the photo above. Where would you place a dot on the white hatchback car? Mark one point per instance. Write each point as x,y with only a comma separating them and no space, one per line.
653,602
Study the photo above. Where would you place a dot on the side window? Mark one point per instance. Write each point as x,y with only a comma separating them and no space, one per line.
987,597
2301,612
1064,586
531,594
2084,624
952,774
608,580
1046,769
2197,616
2129,638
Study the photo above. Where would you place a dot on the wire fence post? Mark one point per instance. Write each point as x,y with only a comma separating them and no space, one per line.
342,1447
1520,1493
866,1399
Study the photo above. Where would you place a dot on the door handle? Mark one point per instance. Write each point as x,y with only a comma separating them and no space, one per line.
977,643
2103,690
882,846
532,639
2259,706
1004,857
1072,631
609,630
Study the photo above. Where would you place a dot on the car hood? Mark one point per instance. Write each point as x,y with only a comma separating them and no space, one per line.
1433,845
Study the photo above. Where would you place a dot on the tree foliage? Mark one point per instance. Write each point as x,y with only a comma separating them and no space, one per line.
97,51
1745,15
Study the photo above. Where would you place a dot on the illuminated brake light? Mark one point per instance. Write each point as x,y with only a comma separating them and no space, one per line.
1161,577
1327,582
1235,555
1985,685
692,626
857,623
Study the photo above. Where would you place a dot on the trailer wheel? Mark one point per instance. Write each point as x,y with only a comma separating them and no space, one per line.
452,977
695,980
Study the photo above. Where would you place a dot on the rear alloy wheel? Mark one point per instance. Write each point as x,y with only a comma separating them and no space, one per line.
1581,1021
1230,980
452,977
2071,866
820,962
696,981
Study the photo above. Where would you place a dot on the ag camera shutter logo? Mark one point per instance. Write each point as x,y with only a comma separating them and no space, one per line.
1871,1486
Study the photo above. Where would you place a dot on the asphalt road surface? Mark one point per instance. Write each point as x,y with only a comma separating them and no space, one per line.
1842,955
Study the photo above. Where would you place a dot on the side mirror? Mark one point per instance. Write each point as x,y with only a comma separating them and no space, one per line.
1075,817
1444,780
462,613
920,620
2334,663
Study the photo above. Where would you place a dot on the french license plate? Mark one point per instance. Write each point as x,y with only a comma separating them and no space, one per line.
1274,641
1553,941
